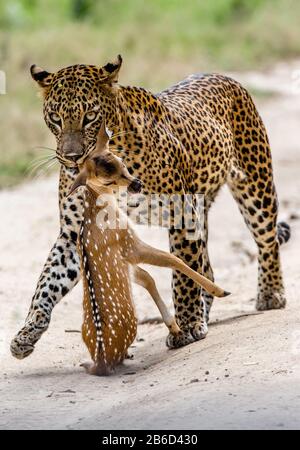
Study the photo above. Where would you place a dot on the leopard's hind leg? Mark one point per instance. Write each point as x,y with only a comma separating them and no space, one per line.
253,188
259,210
251,183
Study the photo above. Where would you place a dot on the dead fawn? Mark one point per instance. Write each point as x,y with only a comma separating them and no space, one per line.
110,254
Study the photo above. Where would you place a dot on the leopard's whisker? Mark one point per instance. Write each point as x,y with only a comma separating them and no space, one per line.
36,164
45,148
43,171
39,161
39,166
122,133
41,158
117,149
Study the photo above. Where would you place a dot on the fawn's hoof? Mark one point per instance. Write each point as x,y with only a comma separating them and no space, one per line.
179,339
20,349
272,300
99,370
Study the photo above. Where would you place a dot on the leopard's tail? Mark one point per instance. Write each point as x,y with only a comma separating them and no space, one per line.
283,232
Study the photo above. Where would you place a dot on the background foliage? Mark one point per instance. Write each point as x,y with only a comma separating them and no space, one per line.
161,41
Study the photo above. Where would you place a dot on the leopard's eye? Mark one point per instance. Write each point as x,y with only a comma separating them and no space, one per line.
55,117
89,117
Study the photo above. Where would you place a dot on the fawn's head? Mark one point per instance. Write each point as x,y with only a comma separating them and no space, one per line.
104,169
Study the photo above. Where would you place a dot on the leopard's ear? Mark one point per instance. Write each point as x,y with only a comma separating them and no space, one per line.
109,73
41,76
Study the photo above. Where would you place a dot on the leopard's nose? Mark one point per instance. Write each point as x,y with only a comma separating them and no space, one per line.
72,146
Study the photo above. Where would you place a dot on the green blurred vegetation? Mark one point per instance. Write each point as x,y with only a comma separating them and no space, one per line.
161,41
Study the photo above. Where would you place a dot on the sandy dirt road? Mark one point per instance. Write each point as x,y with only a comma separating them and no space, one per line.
246,374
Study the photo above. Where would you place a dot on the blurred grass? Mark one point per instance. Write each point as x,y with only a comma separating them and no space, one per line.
161,41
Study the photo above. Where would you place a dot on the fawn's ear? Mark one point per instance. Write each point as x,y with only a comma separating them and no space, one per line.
80,180
41,76
109,73
103,138
102,141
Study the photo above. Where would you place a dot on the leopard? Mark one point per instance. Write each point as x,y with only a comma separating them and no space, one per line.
191,138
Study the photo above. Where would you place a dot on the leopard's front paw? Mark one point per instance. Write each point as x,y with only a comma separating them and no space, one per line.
199,331
23,343
176,340
272,300
19,348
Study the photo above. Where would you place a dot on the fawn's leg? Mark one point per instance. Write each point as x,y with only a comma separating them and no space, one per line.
144,279
150,255
93,368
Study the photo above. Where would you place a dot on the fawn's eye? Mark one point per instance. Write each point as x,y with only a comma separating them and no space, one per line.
108,167
55,118
89,117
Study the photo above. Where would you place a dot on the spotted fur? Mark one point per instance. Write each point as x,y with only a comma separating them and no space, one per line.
109,321
110,251
191,138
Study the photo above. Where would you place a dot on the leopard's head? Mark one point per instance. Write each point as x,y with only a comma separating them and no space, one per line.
75,101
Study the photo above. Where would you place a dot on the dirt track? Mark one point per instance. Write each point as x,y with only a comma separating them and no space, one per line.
246,374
